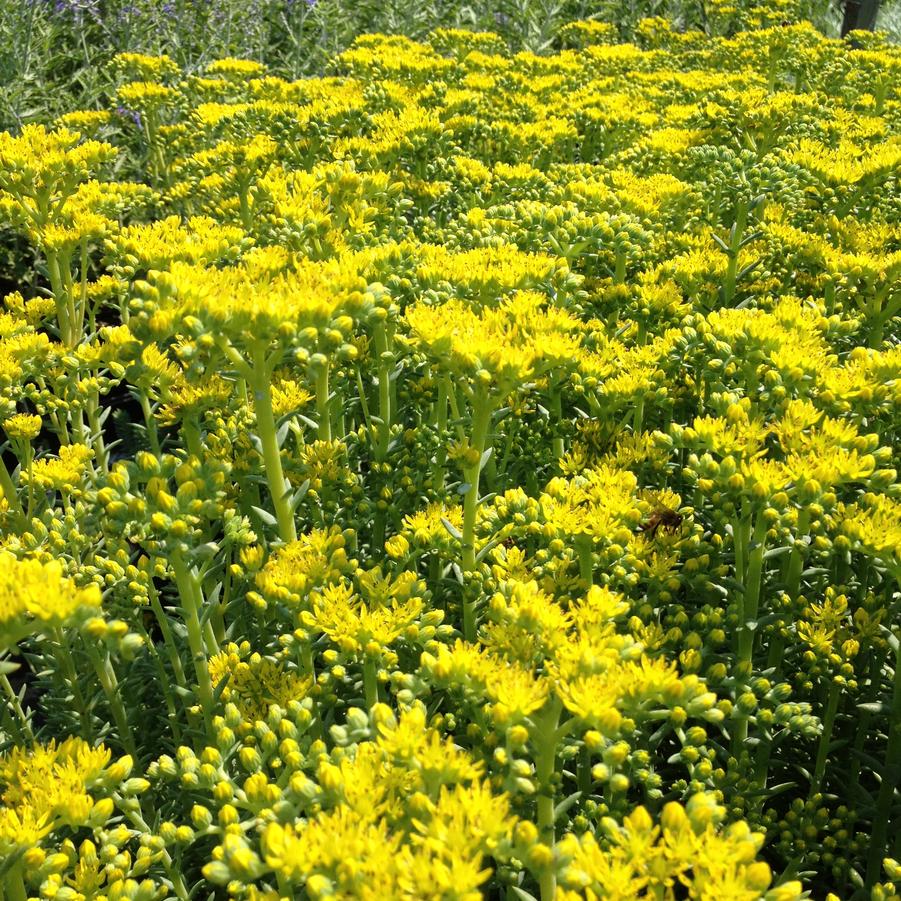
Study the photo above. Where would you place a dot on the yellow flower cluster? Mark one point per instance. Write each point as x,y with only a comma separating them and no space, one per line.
489,460
49,787
684,853
36,595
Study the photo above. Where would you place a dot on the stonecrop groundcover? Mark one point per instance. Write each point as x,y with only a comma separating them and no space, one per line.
469,474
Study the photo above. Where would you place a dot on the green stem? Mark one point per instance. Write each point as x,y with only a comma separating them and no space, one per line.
79,430
285,888
165,685
890,778
306,659
83,289
184,579
322,402
819,769
792,587
272,459
107,675
308,666
455,408
877,334
740,529
370,682
584,772
93,408
481,419
209,633
434,568
735,240
638,416
153,437
755,549
619,270
14,882
829,297
379,524
74,684
364,404
752,591
217,617
796,558
58,290
168,637
862,726
8,490
244,199
133,812
380,334
65,267
22,727
585,550
441,428
557,446
545,741
191,431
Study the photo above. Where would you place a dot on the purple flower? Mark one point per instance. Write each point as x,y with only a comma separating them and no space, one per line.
129,114
77,9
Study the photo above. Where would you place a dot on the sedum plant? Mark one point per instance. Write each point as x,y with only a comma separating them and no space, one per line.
468,473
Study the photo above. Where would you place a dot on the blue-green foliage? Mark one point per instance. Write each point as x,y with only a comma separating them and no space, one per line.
53,53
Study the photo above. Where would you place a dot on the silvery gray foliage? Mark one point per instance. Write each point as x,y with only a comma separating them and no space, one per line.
53,53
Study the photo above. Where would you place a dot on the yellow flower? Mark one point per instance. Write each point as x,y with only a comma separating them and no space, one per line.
356,627
35,595
395,817
409,743
874,525
289,396
49,786
512,343
516,690
313,561
41,169
254,683
22,426
646,858
156,245
526,625
425,529
62,473
236,69
149,68
600,503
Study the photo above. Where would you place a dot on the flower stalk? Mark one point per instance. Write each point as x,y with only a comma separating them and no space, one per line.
545,738
260,382
890,777
186,581
109,683
819,769
14,882
370,682
8,490
481,423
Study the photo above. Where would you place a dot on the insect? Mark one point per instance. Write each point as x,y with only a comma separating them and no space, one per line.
662,518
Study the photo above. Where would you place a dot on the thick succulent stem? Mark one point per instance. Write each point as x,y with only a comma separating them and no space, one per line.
268,435
481,424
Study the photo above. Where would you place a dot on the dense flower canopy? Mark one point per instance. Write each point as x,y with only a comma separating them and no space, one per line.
469,474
